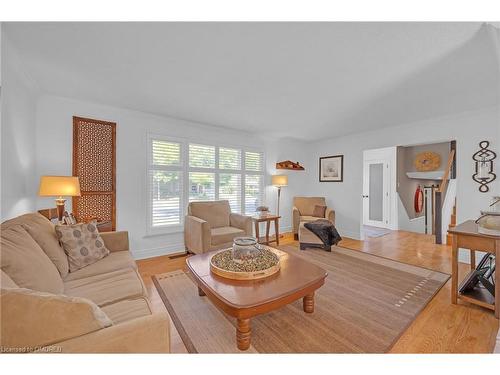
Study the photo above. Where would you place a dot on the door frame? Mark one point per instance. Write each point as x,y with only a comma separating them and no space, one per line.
387,156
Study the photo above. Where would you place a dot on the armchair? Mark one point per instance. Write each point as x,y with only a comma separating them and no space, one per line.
212,226
303,208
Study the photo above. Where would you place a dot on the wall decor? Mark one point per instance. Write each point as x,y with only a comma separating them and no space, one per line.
94,162
427,161
418,201
331,168
483,168
287,164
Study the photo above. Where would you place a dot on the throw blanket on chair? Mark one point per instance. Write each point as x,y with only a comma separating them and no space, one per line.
325,230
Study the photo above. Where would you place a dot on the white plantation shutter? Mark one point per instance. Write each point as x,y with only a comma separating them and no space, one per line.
229,158
230,189
181,172
201,186
166,153
253,161
201,156
166,198
253,193
165,183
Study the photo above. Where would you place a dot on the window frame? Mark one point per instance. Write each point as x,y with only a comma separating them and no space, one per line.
185,169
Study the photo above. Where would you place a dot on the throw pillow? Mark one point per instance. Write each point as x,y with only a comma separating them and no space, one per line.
82,243
319,211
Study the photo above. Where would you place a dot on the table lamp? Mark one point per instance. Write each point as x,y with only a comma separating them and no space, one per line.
59,186
279,180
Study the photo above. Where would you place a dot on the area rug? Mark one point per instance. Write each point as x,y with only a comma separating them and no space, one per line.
375,232
367,302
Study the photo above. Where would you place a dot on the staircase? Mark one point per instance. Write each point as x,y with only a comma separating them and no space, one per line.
453,222
445,201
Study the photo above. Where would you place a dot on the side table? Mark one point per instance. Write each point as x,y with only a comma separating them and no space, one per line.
267,219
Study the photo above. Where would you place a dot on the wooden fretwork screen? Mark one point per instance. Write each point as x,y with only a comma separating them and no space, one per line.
94,162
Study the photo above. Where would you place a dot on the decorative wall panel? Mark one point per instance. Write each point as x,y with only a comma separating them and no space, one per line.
94,162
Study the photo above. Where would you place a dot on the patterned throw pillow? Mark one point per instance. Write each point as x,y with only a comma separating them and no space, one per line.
82,243
319,211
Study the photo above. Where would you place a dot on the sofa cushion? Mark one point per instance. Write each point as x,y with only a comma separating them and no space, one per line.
225,234
216,213
107,288
6,281
32,318
308,218
127,310
44,234
113,262
82,243
305,205
25,262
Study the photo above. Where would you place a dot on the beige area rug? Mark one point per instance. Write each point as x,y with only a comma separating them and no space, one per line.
365,305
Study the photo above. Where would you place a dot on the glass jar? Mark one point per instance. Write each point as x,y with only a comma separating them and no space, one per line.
245,248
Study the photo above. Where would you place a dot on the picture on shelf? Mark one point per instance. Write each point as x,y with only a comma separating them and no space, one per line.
331,168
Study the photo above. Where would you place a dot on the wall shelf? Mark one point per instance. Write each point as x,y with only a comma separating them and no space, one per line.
431,175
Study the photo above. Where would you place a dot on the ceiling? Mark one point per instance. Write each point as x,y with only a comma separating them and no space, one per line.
300,80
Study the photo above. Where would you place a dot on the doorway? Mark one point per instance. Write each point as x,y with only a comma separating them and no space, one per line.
379,187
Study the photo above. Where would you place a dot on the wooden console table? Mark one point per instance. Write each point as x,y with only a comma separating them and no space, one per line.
267,219
467,236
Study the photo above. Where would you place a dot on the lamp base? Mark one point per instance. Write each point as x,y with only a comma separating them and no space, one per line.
60,208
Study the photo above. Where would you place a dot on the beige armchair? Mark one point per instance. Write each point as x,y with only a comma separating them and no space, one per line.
212,226
303,208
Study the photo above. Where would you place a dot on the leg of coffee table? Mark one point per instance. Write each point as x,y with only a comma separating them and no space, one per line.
243,333
308,303
201,293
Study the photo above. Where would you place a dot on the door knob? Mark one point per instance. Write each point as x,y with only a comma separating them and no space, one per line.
365,196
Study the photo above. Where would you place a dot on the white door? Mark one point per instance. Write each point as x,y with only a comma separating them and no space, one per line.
376,203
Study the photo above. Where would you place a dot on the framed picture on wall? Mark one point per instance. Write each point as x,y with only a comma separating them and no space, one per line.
331,168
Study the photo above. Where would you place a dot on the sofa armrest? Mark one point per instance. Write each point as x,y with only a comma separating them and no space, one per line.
242,222
33,319
148,334
330,215
197,235
296,219
115,241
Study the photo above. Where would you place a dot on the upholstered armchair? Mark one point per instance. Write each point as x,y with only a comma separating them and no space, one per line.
303,210
211,226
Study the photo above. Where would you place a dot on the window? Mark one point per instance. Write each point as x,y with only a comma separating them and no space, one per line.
206,172
165,183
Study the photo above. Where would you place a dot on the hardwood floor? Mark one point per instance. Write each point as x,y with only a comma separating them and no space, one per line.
440,328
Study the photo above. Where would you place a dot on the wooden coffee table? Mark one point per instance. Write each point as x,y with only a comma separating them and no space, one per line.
245,299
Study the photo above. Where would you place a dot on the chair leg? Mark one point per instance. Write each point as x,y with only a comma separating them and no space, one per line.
296,236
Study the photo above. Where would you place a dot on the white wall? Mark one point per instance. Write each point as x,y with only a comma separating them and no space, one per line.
54,137
298,181
468,129
18,122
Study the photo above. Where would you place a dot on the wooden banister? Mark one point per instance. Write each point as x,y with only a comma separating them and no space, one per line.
446,176
439,198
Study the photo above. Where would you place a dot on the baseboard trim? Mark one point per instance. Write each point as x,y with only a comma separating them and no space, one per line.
349,234
171,249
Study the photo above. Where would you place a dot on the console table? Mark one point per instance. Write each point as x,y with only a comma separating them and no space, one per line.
467,236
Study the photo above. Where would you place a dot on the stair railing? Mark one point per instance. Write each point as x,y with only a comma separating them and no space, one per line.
439,198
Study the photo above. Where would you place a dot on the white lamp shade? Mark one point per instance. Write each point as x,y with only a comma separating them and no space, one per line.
279,180
59,186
